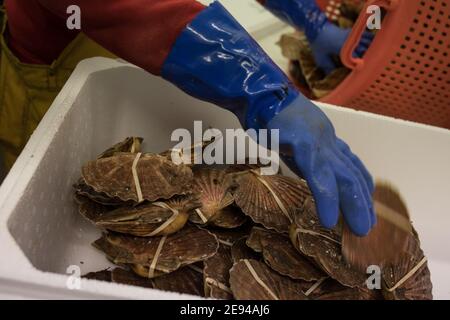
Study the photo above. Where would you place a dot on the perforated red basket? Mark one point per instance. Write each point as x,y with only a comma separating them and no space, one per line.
405,72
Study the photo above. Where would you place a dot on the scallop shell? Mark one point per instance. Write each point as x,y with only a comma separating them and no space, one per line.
418,286
144,220
123,276
209,183
229,218
216,274
230,236
240,251
130,144
158,177
195,151
258,202
385,241
82,189
329,289
184,280
279,254
92,210
267,285
185,247
103,275
323,246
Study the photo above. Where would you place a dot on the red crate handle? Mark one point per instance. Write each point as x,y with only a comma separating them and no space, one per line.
357,31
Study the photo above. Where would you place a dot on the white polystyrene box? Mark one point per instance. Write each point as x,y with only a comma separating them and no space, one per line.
41,233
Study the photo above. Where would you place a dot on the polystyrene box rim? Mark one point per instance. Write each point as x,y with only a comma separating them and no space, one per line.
16,273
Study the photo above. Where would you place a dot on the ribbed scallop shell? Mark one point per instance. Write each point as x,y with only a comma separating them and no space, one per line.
280,255
130,144
158,177
217,274
245,287
385,241
323,246
256,201
332,290
230,236
229,218
209,184
195,152
91,210
184,280
240,251
82,189
185,247
142,220
418,286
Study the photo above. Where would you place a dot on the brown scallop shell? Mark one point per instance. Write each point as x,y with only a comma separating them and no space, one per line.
386,240
82,189
240,251
418,286
145,219
130,144
209,184
158,177
279,254
216,274
196,151
323,246
245,286
103,275
257,201
185,247
184,280
92,210
123,276
230,236
330,289
229,218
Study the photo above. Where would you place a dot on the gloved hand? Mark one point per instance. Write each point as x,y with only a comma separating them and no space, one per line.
326,39
336,177
329,42
216,60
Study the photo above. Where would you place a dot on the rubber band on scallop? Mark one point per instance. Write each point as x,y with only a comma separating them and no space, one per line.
168,222
151,270
408,275
258,279
275,196
136,178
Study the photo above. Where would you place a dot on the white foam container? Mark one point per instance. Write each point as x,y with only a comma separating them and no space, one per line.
41,233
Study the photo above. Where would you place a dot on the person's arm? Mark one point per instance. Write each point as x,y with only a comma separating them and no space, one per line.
139,31
326,39
208,54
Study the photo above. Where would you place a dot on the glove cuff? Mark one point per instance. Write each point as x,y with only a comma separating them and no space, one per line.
216,60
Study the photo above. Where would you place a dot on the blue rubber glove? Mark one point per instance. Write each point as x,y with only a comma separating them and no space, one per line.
329,42
216,60
326,39
336,177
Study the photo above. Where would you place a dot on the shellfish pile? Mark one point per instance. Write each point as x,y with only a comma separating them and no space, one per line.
224,232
